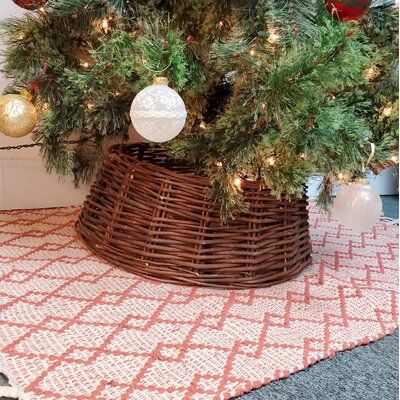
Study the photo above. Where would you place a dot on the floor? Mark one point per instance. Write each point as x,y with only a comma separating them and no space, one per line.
365,373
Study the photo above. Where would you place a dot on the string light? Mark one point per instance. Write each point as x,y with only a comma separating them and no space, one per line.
252,52
202,125
104,24
220,24
85,64
343,177
263,105
387,111
218,164
371,72
394,159
302,155
273,36
238,182
41,9
271,161
45,108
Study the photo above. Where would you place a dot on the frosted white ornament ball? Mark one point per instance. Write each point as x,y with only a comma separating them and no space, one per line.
358,206
158,113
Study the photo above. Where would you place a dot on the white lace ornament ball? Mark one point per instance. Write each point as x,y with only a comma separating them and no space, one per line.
158,113
358,206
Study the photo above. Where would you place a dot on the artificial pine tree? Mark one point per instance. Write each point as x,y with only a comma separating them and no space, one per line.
276,91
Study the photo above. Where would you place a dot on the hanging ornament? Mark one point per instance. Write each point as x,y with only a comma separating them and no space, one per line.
18,115
358,206
30,4
35,86
347,10
158,113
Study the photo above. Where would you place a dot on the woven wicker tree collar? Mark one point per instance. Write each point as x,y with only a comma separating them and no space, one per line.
152,216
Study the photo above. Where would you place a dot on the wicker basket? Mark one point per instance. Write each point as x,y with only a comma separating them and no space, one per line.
151,215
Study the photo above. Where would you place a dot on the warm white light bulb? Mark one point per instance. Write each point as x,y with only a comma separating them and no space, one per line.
85,64
252,52
387,111
237,182
273,37
371,72
104,24
203,125
270,160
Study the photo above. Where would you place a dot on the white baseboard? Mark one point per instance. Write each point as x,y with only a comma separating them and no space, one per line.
25,184
386,183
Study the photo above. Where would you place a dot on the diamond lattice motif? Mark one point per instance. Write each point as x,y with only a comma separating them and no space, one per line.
73,327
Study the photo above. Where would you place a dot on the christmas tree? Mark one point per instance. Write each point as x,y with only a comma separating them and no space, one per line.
276,91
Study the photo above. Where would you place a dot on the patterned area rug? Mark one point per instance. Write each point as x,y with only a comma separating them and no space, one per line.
73,327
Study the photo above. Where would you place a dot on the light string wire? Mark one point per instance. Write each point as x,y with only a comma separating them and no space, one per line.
40,144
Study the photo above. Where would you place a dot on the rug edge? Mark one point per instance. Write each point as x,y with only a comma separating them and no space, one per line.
279,374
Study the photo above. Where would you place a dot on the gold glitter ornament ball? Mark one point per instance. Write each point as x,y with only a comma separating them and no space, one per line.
18,115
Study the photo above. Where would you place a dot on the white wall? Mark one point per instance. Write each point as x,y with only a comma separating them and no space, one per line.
23,181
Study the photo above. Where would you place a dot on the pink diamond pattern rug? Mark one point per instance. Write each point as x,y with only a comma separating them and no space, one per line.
73,327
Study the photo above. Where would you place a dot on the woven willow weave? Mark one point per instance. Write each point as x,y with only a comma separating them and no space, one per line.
151,215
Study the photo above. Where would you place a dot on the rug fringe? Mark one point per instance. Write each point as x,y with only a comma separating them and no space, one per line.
391,221
9,391
12,391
